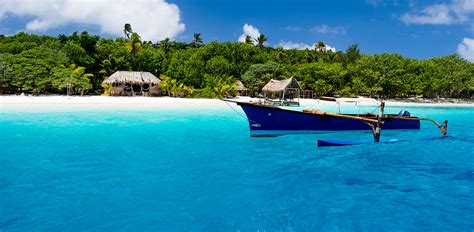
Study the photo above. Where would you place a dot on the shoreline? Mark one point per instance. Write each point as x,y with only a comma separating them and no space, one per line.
101,102
432,100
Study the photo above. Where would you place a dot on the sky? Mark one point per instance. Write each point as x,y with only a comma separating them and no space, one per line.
414,28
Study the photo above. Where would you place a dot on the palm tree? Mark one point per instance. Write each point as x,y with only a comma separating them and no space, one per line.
197,40
135,44
353,53
320,46
307,56
127,29
167,84
165,46
261,40
77,78
280,54
248,40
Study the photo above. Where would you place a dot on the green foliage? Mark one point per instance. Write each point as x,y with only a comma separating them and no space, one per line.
248,40
134,44
197,40
261,40
259,74
31,70
6,73
217,87
107,89
173,88
73,79
321,77
77,54
79,62
352,54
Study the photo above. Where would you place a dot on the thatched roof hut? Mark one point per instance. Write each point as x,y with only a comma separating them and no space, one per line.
129,77
240,86
275,86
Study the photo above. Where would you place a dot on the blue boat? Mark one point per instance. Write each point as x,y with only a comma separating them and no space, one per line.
267,121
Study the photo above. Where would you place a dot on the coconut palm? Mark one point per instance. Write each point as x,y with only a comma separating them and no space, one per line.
261,40
165,46
320,46
197,40
280,54
248,39
307,56
75,78
134,44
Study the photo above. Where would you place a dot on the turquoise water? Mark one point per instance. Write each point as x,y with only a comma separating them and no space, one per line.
198,170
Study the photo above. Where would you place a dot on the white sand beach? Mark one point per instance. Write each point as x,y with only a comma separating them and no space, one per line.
101,102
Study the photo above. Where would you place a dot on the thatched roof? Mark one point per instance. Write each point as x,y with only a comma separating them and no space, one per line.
132,78
240,86
281,85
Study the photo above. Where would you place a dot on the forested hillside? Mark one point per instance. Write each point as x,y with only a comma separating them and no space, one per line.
49,65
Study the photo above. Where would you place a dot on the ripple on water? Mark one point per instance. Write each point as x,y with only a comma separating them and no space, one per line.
189,169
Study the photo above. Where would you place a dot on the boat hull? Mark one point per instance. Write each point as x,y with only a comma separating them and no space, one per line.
274,121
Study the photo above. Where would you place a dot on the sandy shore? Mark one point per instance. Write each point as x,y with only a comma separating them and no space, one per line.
99,102
102,102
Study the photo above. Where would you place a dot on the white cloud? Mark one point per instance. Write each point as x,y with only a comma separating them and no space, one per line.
249,30
329,48
325,29
376,2
384,3
293,28
301,46
456,11
466,49
293,45
463,9
433,14
152,19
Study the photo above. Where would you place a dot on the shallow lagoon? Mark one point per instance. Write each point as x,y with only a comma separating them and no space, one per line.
198,169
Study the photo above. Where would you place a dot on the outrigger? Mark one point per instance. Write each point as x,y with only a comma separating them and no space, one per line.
375,126
271,121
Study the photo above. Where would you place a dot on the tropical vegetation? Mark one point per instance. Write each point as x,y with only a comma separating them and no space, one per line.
78,63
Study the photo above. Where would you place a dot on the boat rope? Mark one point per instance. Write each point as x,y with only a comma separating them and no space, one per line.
376,110
238,113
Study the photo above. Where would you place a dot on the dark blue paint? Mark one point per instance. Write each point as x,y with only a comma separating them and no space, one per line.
263,120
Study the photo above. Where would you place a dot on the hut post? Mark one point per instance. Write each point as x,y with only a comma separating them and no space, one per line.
141,83
298,95
130,78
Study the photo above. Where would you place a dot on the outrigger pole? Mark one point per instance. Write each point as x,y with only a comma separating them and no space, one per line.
377,128
443,128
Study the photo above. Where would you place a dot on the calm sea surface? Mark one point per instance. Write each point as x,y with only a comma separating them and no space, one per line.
197,169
